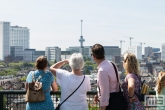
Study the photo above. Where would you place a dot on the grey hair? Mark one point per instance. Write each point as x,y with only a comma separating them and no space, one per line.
76,61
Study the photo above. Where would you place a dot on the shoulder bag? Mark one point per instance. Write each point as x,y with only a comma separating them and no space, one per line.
58,107
117,100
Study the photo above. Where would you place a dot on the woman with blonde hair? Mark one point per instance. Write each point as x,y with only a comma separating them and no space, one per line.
160,87
132,83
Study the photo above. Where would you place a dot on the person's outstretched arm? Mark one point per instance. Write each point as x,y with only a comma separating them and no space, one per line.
57,66
54,86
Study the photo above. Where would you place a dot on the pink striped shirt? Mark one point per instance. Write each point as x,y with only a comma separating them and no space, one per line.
106,81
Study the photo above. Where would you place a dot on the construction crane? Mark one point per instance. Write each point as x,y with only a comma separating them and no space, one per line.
141,43
129,38
121,41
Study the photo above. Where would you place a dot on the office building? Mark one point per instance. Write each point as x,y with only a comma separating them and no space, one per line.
4,40
38,53
17,53
65,55
137,51
29,55
148,51
111,52
19,36
53,53
85,50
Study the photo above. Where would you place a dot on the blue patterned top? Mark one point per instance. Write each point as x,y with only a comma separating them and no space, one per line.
46,80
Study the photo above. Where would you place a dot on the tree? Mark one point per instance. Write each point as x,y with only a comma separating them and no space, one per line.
23,79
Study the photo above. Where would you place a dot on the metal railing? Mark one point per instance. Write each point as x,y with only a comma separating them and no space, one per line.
15,100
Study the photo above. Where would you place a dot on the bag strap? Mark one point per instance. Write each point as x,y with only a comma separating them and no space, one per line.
73,91
116,76
139,86
33,79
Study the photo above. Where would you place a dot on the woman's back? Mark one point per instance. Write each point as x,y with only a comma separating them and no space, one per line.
68,83
47,79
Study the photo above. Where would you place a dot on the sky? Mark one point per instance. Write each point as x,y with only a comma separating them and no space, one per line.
58,22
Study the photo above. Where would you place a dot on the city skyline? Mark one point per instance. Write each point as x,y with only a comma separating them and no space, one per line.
55,23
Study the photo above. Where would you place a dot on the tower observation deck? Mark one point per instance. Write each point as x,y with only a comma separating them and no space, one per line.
81,40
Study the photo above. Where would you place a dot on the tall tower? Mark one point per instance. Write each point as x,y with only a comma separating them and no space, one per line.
81,40
4,39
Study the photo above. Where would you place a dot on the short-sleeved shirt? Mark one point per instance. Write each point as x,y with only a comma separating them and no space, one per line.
47,79
137,105
68,83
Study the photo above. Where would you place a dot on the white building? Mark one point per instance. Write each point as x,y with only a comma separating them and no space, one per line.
19,36
53,53
137,50
4,39
163,52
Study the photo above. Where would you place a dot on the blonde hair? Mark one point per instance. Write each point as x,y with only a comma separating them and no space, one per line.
160,81
131,64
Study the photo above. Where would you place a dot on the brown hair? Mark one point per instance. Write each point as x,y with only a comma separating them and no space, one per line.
98,51
160,81
131,64
41,62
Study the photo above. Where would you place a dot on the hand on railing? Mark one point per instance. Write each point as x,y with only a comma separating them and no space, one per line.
96,99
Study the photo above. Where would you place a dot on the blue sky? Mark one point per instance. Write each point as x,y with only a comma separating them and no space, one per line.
57,22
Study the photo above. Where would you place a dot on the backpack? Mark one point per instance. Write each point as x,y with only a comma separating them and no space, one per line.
143,90
35,92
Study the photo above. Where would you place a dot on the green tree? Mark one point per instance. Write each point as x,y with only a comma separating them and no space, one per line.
23,79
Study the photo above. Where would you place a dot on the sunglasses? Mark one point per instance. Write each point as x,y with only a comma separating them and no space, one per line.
124,59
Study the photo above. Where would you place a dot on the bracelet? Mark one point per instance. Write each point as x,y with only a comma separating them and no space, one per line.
131,97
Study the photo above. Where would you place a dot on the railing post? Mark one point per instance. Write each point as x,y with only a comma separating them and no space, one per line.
1,101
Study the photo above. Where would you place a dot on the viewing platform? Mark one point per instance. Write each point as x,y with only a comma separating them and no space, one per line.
15,100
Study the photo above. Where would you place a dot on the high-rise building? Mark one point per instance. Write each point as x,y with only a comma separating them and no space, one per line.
148,51
19,36
137,50
53,53
4,39
163,52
